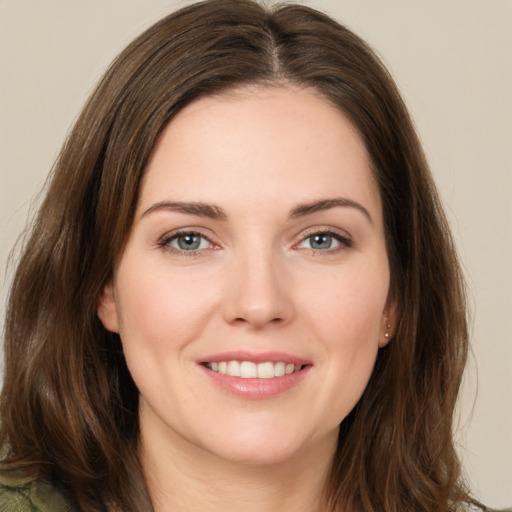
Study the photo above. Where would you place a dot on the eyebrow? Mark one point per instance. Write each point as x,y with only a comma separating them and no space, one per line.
215,212
192,208
326,204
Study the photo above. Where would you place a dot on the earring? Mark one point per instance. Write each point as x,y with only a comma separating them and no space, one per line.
387,332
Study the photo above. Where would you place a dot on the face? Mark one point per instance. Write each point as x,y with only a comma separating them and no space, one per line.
252,294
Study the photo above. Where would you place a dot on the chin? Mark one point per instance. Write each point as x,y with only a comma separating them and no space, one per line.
265,444
257,454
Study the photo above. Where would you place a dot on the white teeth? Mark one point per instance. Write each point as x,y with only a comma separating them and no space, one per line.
266,371
233,369
279,369
251,370
248,370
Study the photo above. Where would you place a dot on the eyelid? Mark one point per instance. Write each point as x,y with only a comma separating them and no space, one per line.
341,236
163,242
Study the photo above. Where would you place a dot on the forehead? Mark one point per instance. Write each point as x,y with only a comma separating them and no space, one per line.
271,145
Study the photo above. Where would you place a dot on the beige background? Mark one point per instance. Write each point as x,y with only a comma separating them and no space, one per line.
453,62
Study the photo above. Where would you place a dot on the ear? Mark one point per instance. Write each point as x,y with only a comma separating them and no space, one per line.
389,322
107,308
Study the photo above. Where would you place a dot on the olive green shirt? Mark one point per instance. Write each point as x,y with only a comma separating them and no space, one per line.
27,495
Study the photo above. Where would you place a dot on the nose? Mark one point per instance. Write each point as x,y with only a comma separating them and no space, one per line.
259,292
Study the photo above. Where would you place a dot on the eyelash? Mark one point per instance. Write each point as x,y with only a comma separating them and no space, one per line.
166,240
344,241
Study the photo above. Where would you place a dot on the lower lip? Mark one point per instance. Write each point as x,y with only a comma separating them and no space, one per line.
256,389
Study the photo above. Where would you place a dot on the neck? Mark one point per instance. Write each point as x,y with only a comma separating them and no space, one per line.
183,478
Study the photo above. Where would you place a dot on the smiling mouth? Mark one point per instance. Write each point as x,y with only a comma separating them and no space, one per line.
251,370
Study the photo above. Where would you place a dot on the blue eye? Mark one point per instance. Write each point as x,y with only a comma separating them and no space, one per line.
324,241
187,242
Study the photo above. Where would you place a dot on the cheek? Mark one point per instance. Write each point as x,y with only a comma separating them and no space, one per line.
347,319
156,301
348,312
159,314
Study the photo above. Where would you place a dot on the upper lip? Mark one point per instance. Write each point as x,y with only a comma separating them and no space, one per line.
255,357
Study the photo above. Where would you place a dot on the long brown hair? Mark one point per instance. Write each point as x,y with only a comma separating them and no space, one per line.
69,407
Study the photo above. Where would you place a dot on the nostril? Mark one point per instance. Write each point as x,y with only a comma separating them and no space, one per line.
272,320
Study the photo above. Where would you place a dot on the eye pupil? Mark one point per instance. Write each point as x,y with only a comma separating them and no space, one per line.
189,242
321,241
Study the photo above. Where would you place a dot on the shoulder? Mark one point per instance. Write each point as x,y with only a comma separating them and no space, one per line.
28,495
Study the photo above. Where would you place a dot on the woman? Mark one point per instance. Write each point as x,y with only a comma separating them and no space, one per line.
240,292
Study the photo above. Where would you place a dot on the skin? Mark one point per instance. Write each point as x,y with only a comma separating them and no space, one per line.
257,283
